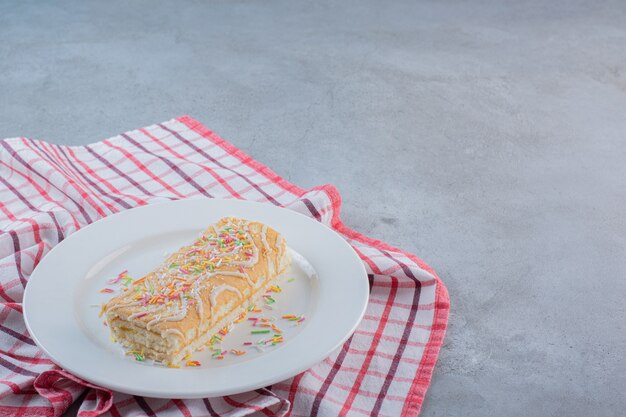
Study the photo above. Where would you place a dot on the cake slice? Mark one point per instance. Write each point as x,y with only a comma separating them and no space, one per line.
203,287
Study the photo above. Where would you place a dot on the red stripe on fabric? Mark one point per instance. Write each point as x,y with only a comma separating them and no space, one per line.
413,404
114,411
103,399
13,306
106,183
310,392
14,387
206,155
384,284
293,389
383,355
403,342
230,401
429,306
9,215
183,409
24,409
390,338
345,349
220,180
26,201
31,411
37,236
163,144
72,172
14,368
239,154
60,398
143,168
4,295
267,393
371,372
27,359
371,351
114,202
39,189
113,168
70,180
170,164
347,388
373,267
400,322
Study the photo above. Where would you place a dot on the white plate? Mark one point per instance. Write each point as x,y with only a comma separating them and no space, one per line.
62,298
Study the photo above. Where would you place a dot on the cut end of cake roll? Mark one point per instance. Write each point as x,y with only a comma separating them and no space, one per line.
177,308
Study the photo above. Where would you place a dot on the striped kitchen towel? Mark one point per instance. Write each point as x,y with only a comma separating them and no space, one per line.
48,192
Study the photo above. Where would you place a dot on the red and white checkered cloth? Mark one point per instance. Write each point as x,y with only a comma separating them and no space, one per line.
48,192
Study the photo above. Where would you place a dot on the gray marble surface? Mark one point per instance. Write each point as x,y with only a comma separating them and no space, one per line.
487,137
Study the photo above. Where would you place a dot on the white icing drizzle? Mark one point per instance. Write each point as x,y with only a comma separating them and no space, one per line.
233,274
199,307
182,312
116,306
219,289
173,331
270,271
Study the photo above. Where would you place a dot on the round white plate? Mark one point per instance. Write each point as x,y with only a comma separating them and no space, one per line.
327,284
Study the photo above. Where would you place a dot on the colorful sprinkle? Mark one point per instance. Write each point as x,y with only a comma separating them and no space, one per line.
291,280
241,317
106,290
291,317
118,278
192,363
225,330
171,365
260,331
238,352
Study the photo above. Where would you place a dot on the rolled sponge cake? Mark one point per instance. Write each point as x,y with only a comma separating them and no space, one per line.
175,309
